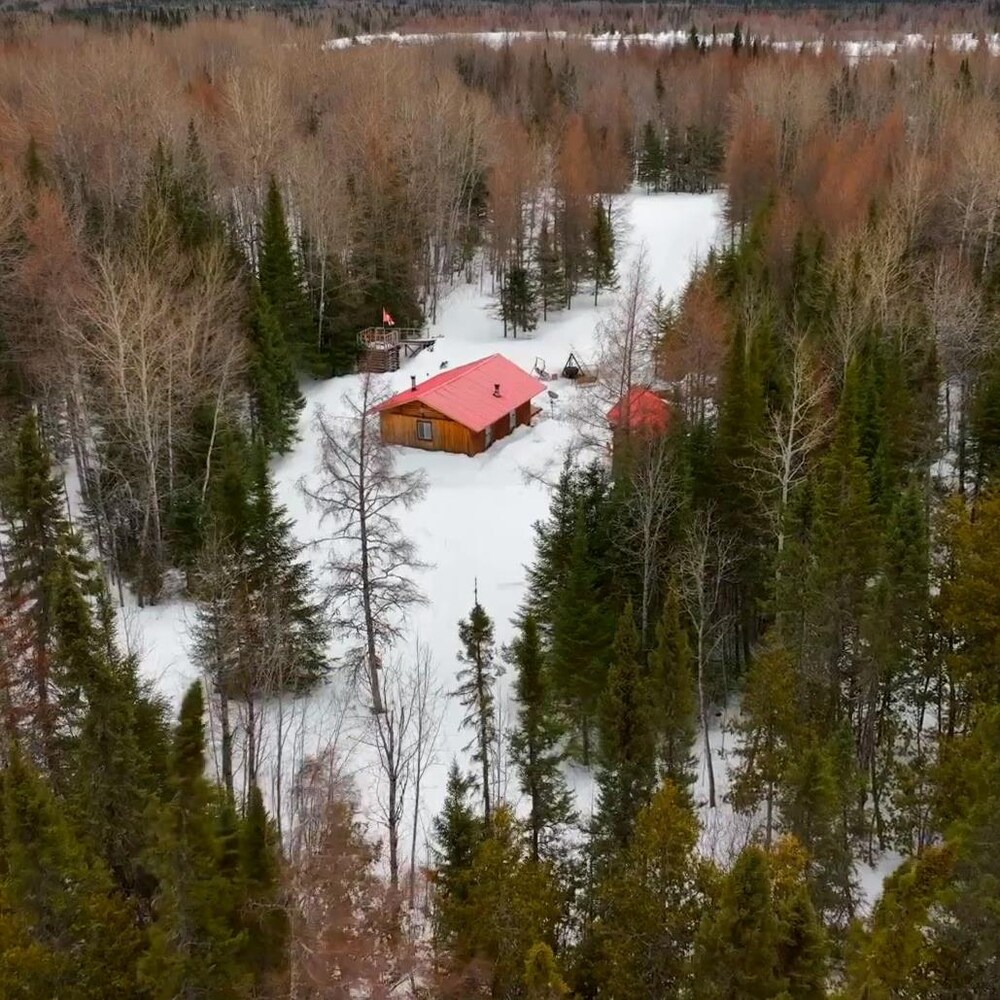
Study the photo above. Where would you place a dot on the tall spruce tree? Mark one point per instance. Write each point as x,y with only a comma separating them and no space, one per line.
626,745
477,694
64,930
194,947
264,918
768,734
652,159
549,270
581,631
650,907
518,300
672,686
736,952
536,743
457,833
41,544
603,267
280,278
275,397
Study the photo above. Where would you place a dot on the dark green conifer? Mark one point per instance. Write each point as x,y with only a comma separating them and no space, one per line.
672,685
477,694
194,949
280,279
535,744
626,744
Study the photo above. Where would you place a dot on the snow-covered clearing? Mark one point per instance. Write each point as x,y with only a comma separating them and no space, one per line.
852,49
473,527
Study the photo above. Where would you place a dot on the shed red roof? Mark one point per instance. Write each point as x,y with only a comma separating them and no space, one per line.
642,409
465,394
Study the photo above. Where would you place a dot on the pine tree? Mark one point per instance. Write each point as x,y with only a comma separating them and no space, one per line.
548,268
535,744
511,904
736,953
194,949
603,267
64,931
280,280
813,806
264,918
650,906
652,159
457,833
627,742
672,682
767,734
276,399
477,694
41,542
110,772
519,300
580,640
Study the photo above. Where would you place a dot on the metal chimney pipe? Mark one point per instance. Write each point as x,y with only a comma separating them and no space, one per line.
496,388
413,383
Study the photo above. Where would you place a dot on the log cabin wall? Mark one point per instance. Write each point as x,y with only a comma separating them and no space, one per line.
399,426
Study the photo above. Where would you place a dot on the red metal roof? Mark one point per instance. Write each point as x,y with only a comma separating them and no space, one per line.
642,409
465,394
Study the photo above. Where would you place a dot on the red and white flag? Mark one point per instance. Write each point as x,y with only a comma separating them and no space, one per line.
387,319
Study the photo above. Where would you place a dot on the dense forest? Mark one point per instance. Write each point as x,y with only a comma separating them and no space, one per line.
197,219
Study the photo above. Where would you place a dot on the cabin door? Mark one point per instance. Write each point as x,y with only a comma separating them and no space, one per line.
489,436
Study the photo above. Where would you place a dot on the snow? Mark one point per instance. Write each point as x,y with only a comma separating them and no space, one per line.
852,49
473,529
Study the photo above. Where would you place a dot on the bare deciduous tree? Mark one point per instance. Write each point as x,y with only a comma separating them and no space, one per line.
794,432
372,561
704,562
651,500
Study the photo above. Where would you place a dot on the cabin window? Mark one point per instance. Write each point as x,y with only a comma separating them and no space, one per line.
425,430
513,419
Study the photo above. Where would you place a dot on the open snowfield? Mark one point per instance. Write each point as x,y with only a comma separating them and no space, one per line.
473,528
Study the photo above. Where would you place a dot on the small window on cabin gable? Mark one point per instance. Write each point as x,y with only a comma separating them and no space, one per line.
425,430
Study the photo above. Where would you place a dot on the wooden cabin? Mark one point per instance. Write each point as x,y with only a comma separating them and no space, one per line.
462,411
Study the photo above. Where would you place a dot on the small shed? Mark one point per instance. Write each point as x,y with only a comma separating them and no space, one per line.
463,410
640,412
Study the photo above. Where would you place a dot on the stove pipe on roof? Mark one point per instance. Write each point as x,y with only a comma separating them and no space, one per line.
496,389
413,383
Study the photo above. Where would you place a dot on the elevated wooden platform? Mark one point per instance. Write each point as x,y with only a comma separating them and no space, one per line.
382,346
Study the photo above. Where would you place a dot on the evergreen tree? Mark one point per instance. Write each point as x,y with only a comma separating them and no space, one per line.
651,905
477,694
276,399
264,918
535,744
280,279
736,953
457,833
652,159
672,681
41,544
603,267
194,949
64,931
511,904
627,742
813,807
518,300
110,771
551,285
767,732
580,639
